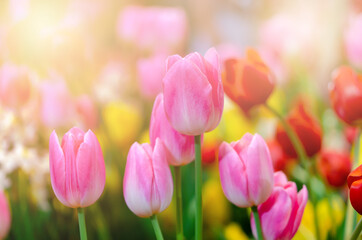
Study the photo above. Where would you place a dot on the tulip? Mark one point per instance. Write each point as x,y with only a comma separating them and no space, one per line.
150,72
193,93
15,85
76,168
280,159
179,146
87,111
307,129
282,212
161,29
355,188
248,82
5,217
334,167
246,171
346,95
353,39
57,107
147,182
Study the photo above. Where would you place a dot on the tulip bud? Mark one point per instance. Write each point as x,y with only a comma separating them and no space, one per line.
281,214
77,168
334,167
193,93
147,182
345,93
179,146
5,217
307,129
355,188
248,82
246,171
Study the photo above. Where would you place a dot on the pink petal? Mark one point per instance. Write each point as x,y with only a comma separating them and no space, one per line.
137,181
302,202
91,170
187,95
233,176
213,58
259,170
57,168
163,183
280,179
171,60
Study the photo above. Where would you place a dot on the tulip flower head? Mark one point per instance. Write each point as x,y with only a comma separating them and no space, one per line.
77,168
5,217
307,129
281,214
147,182
193,92
179,146
246,171
355,188
345,93
334,167
248,82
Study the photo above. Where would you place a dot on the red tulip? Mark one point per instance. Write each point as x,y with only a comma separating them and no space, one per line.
346,95
306,127
279,158
355,188
248,82
334,167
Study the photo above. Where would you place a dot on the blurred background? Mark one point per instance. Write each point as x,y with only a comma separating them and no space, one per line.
98,64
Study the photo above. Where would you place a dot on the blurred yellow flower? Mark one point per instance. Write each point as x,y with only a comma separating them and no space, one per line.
329,218
216,207
234,232
122,122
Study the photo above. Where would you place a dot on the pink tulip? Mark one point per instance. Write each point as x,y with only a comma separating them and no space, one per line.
5,217
246,171
57,107
179,146
87,111
193,92
15,85
281,214
147,183
150,73
353,40
77,169
153,27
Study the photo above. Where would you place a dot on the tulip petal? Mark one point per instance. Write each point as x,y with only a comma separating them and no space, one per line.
187,99
302,202
57,168
162,183
171,60
274,214
213,58
280,179
137,186
90,170
232,175
259,172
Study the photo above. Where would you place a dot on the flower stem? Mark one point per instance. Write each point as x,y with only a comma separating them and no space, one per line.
303,158
350,213
178,186
156,227
82,227
198,188
254,209
357,231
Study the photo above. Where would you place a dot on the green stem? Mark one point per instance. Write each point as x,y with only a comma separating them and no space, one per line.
178,186
156,227
351,214
303,158
198,188
254,209
82,227
357,230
